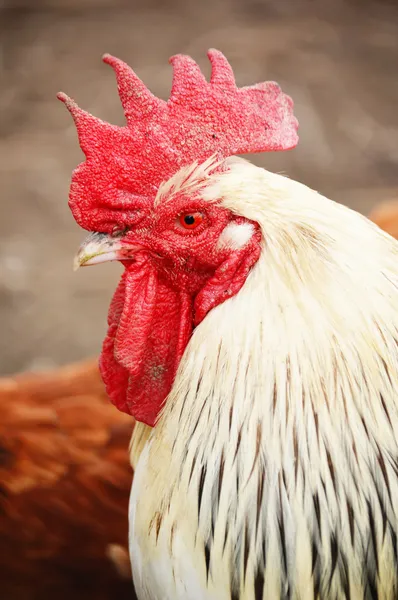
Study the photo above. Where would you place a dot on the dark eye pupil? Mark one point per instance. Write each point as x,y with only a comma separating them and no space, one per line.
189,219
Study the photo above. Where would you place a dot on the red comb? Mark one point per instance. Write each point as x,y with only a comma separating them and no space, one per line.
199,119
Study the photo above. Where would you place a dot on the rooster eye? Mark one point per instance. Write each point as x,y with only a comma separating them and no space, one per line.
191,220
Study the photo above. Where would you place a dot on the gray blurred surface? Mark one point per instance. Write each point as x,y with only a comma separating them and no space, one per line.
339,62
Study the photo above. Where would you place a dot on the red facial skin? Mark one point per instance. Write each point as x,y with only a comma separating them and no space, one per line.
165,291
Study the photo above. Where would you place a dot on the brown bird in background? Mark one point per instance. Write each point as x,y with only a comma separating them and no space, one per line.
64,487
385,215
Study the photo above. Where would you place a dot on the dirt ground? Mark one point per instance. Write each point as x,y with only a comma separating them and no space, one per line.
338,61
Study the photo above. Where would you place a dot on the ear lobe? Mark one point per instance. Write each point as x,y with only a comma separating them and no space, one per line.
228,278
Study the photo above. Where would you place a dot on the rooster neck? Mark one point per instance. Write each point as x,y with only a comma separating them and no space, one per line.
280,359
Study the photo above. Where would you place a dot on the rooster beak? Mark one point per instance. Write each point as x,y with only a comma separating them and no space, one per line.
102,247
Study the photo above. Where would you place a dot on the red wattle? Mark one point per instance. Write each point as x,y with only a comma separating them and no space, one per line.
150,323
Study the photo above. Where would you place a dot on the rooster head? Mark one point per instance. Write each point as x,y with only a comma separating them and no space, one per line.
139,194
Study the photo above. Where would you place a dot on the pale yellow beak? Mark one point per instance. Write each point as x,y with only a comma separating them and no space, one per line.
101,247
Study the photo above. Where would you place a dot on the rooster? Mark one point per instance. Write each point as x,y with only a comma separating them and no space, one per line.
253,336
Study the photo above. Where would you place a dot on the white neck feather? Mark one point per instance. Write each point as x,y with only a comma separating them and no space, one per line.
315,321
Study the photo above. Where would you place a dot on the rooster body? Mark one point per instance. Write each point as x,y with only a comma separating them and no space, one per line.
272,472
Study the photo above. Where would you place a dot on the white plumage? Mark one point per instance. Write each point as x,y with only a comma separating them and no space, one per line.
273,470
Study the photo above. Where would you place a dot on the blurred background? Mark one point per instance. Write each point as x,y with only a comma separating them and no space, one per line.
64,472
338,60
